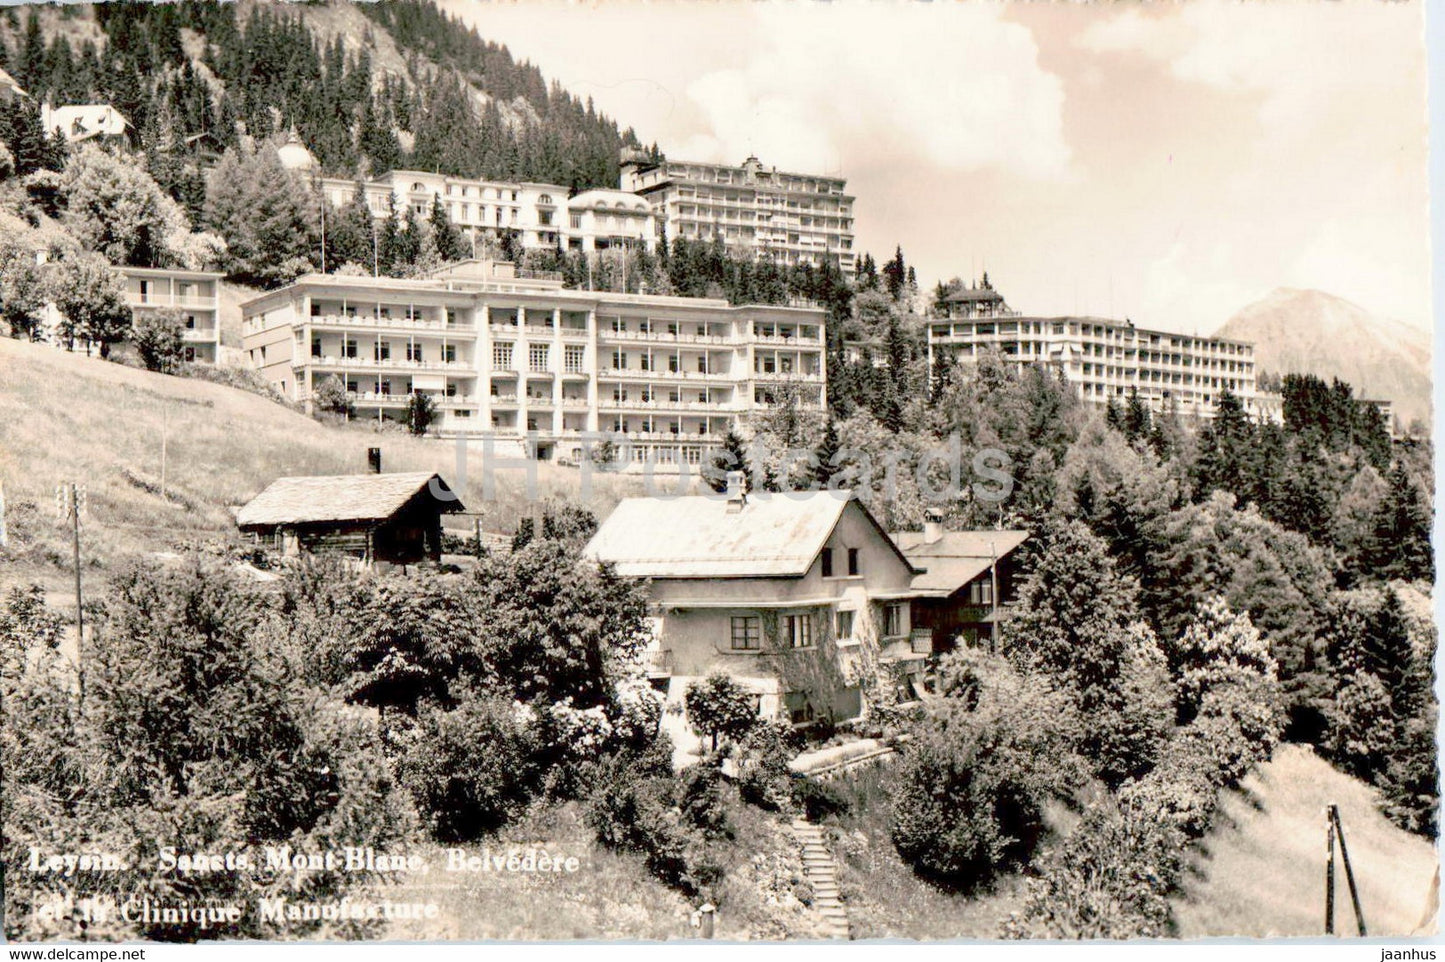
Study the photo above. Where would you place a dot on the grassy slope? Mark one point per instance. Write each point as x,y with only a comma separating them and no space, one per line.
612,896
65,416
1261,871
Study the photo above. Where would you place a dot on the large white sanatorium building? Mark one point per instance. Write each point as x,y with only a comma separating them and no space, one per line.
506,352
1103,358
788,217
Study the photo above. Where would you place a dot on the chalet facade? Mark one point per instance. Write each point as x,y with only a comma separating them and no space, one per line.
801,597
385,519
965,581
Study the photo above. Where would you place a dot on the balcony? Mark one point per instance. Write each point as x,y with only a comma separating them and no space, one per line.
632,373
206,334
788,340
392,323
659,663
662,337
811,378
136,299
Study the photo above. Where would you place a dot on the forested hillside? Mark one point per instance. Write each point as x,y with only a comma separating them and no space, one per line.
365,86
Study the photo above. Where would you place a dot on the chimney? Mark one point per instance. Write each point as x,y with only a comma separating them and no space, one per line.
932,528
373,460
737,491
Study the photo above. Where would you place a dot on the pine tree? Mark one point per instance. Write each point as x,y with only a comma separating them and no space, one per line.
450,245
825,456
733,456
1399,545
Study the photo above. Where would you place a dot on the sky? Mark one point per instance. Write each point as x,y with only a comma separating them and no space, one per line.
1169,163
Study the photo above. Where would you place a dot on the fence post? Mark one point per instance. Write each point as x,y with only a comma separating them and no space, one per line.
1349,870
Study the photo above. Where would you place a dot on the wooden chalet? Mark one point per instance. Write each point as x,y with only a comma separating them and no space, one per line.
375,518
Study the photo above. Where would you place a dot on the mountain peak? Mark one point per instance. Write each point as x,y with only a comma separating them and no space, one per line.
1304,330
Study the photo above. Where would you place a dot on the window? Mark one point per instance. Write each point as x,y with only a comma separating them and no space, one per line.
798,630
381,350
352,386
537,356
619,360
980,593
702,364
413,352
574,357
827,562
502,356
747,633
191,356
576,221
844,625
892,620
316,347
852,561
449,353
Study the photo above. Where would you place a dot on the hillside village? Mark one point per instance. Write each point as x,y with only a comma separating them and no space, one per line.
573,491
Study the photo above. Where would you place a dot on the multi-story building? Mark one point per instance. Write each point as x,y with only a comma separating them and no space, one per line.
791,218
538,216
801,598
1103,358
194,295
506,352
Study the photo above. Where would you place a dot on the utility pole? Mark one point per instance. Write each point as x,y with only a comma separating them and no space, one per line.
70,501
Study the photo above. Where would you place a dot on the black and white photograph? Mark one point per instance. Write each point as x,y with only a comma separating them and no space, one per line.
767,471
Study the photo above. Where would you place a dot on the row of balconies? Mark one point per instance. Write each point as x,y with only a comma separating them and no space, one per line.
390,364
400,323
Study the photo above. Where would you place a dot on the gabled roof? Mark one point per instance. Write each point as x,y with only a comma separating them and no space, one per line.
773,536
956,558
352,497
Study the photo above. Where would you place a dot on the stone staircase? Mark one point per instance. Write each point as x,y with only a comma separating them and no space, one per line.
822,875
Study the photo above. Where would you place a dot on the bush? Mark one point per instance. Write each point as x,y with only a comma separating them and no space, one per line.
241,378
632,811
331,397
1170,796
817,799
1111,880
764,778
159,339
970,787
471,770
701,801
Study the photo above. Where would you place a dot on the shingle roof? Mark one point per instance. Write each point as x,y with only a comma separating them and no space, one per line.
774,535
956,558
352,497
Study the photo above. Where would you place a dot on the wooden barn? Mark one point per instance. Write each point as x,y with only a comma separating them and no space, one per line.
375,518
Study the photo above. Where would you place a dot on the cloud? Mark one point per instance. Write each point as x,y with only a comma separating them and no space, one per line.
1310,65
829,85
